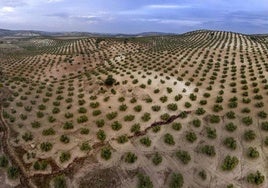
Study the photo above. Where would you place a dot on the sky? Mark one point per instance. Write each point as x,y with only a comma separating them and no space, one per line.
135,16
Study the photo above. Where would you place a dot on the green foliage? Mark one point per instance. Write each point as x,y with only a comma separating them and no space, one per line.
146,117
144,181
214,119
116,126
157,158
156,128
208,150
146,141
229,163
12,172
197,122
123,107
84,130
184,156
249,135
135,128
230,127
85,146
101,135
59,182
176,126
46,146
109,81
82,119
230,142
27,136
176,180
49,131
211,133
202,174
253,153
111,115
65,156
129,117
68,125
165,116
106,153
172,106
168,139
255,178
230,115
200,111
191,136
3,161
130,157
122,139
40,165
247,120
65,139
100,122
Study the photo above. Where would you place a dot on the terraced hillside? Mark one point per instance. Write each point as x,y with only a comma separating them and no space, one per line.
184,110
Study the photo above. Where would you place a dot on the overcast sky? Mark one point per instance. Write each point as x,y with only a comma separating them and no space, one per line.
134,16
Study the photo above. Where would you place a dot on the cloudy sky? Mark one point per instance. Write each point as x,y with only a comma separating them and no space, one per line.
134,16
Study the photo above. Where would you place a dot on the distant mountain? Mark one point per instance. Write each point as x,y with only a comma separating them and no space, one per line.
32,33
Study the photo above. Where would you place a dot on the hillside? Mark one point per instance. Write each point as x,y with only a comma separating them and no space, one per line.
113,112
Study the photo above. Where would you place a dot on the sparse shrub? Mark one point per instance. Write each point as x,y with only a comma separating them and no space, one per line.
135,128
249,135
157,159
138,108
3,161
230,127
247,120
12,172
197,122
168,139
146,141
172,106
68,125
144,181
106,153
65,156
183,156
176,126
116,126
229,163
230,142
85,146
211,133
176,180
82,119
130,157
253,153
27,136
46,146
146,117
208,150
255,178
111,115
191,137
101,135
60,182
202,174
49,131
122,139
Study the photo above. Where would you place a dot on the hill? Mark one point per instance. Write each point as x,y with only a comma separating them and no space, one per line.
187,109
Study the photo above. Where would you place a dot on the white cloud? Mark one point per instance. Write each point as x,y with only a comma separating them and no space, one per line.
53,1
7,9
167,6
172,21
